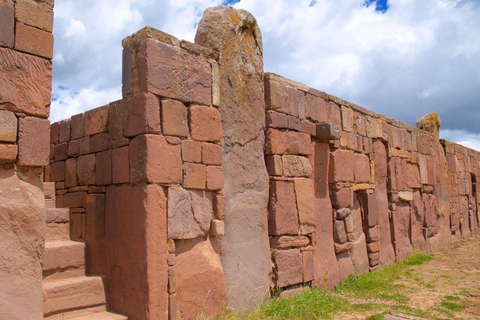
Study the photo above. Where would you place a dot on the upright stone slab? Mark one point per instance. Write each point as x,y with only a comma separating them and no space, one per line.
245,251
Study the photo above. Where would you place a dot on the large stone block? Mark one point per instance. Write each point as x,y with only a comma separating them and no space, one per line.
280,97
32,40
103,166
287,142
35,14
26,83
121,165
22,232
289,265
33,141
136,231
96,121
205,123
362,168
305,193
195,176
342,166
283,214
174,118
86,170
153,160
8,126
189,213
8,153
7,23
212,154
201,286
147,61
95,234
296,166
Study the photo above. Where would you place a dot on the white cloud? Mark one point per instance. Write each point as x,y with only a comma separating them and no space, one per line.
462,137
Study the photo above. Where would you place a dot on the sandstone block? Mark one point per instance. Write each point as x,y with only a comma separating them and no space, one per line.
99,142
342,198
147,61
212,154
33,141
77,123
61,151
282,215
287,142
304,191
96,121
359,124
174,118
308,127
289,265
274,165
406,196
307,259
219,206
7,23
32,40
373,127
359,255
73,148
74,200
373,247
276,120
214,178
26,82
343,213
342,166
153,160
95,233
372,234
295,166
285,242
280,97
8,126
339,233
328,131
86,169
205,123
413,176
189,213
430,123
8,153
345,265
201,286
71,179
345,247
121,165
362,168
64,130
57,171
374,258
195,176
35,14
191,151
347,119
54,132
103,168
217,228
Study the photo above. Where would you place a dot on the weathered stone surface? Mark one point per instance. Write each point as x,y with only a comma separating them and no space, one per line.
328,131
8,153
287,142
401,227
96,121
362,168
304,191
280,96
195,176
359,255
339,232
191,151
71,179
174,118
201,286
244,249
8,126
274,165
214,180
135,231
7,23
284,242
212,154
189,213
296,166
86,169
22,230
430,123
345,265
25,83
33,141
154,160
121,165
103,168
35,14
342,198
205,123
289,265
147,61
406,196
282,213
33,40
342,166
217,228
95,234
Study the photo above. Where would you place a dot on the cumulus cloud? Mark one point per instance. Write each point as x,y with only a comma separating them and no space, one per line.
405,60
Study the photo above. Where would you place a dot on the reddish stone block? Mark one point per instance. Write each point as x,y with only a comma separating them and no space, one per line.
308,127
287,142
103,168
342,198
296,166
8,126
121,165
95,233
347,119
77,124
305,194
334,115
61,152
195,176
57,171
342,166
64,130
339,232
276,120
84,145
289,265
315,109
191,151
413,176
154,160
281,97
174,118
282,209
374,127
146,65
86,169
74,200
26,82
362,168
205,123
32,40
76,227
359,126
71,173
73,148
294,123
372,234
219,206
35,14
54,132
7,23
274,165
212,154
308,266
214,178
96,121
99,142
33,141
8,153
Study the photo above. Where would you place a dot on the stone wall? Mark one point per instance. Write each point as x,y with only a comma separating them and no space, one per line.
212,184
26,49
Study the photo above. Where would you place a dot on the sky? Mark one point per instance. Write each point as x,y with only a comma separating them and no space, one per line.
401,58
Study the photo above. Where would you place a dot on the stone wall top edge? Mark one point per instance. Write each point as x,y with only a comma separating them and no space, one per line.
457,145
152,33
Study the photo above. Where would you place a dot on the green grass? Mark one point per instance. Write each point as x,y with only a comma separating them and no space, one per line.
451,306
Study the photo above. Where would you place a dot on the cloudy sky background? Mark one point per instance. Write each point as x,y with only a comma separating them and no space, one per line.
402,58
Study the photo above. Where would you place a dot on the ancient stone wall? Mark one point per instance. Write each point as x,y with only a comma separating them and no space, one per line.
26,49
212,184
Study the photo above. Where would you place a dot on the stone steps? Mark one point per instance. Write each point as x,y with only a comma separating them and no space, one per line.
67,292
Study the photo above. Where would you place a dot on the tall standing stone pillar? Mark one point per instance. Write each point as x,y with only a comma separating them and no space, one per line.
245,251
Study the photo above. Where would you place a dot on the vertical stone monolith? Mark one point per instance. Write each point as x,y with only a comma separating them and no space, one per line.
245,251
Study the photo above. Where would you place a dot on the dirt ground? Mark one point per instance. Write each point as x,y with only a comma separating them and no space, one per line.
447,287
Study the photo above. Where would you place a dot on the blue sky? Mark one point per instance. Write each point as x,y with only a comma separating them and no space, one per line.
402,58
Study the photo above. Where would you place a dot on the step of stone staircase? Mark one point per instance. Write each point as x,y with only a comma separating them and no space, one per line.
87,314
63,259
73,294
57,227
49,190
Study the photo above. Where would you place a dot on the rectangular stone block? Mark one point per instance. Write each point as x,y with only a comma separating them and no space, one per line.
61,151
7,23
308,127
8,126
342,198
74,200
280,97
359,126
195,176
154,160
342,166
32,40
86,170
95,233
103,168
328,131
77,124
276,120
191,151
33,141
174,118
287,142
274,165
362,168
71,179
347,119
147,61
26,83
205,123
96,121
64,130
98,142
305,194
73,148
8,153
296,166
214,180
219,206
289,265
35,14
373,127
57,171
282,209
212,154
307,258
